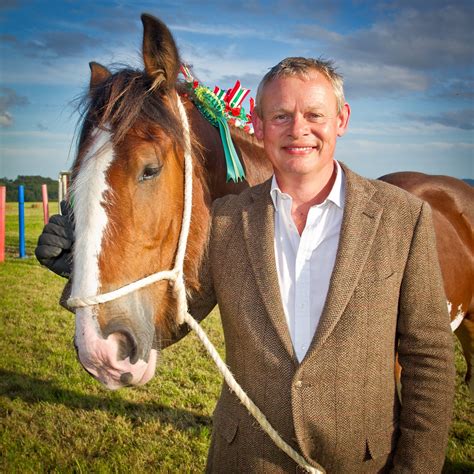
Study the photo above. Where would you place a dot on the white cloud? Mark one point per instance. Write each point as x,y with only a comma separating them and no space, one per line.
211,67
376,158
6,119
234,31
370,79
41,134
33,160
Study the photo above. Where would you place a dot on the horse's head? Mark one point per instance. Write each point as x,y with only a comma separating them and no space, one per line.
127,195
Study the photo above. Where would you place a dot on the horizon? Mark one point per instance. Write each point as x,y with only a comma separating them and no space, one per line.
407,65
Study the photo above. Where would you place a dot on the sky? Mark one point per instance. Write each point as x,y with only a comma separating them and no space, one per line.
407,67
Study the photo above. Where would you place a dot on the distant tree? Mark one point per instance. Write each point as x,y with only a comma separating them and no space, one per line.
32,186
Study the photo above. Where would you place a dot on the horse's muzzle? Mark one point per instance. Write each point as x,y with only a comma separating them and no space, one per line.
120,353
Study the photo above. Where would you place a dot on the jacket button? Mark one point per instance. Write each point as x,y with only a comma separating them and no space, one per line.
298,384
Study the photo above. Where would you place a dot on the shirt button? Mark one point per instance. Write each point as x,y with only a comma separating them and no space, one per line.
298,384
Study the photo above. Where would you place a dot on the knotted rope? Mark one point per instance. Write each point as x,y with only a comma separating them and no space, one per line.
176,277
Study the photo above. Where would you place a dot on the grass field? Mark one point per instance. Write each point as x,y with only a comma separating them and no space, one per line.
56,418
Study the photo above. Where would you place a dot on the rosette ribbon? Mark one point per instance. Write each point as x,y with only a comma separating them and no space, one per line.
213,110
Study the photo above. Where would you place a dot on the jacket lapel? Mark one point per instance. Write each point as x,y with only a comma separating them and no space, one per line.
258,227
359,226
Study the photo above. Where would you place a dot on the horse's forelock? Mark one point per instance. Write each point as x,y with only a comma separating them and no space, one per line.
129,99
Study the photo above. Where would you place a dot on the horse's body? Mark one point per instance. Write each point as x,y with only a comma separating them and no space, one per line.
128,202
452,204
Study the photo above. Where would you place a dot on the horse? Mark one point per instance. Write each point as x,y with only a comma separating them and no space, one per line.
127,192
452,204
128,197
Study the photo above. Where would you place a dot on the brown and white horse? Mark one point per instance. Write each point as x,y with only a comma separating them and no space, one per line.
128,190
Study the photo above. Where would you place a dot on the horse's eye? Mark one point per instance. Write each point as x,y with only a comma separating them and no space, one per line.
150,172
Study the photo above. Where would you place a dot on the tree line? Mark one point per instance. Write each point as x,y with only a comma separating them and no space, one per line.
32,185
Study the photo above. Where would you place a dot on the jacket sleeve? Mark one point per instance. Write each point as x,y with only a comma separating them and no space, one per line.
425,350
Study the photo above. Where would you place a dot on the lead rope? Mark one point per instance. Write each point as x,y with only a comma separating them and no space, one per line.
176,278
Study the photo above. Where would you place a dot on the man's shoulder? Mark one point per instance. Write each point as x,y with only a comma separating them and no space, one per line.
385,194
233,204
389,194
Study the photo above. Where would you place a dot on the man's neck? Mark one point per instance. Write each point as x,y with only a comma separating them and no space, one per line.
307,192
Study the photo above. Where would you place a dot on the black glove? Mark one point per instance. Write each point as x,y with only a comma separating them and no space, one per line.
54,249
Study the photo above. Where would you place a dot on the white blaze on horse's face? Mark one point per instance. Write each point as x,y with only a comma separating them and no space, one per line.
99,355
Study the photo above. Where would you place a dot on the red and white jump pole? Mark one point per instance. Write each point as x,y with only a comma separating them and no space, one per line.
3,199
44,193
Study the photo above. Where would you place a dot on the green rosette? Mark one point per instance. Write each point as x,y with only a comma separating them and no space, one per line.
212,108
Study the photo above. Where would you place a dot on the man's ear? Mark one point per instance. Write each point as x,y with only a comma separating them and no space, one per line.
257,123
343,120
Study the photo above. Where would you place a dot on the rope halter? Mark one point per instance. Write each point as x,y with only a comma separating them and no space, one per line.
176,277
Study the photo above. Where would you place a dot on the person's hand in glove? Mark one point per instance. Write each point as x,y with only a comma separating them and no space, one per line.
54,249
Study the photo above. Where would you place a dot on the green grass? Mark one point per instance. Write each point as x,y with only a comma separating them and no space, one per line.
55,418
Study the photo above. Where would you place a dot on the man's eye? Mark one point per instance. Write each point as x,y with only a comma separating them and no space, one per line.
280,117
316,117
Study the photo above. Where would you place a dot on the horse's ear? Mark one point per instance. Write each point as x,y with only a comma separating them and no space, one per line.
160,54
99,74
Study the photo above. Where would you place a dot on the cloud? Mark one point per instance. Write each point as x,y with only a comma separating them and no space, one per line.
216,30
53,44
8,4
6,119
51,137
409,47
213,66
462,119
323,11
9,39
455,88
233,31
422,38
376,158
375,80
8,99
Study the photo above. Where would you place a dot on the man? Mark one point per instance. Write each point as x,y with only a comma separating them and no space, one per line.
320,276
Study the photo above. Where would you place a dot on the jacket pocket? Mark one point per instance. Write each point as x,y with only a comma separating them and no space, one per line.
226,427
382,442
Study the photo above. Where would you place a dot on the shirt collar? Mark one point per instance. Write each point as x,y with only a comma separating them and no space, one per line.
336,195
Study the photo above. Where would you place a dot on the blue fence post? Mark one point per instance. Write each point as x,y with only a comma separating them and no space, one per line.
21,220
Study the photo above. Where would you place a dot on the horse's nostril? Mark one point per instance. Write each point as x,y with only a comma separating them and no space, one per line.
127,343
128,346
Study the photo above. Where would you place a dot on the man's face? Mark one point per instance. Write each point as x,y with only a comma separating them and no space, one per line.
299,125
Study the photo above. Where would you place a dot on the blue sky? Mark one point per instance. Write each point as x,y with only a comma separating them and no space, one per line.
408,69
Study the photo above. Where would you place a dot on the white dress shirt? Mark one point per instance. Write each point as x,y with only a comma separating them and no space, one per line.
305,263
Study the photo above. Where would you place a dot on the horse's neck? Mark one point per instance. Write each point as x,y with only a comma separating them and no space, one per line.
257,167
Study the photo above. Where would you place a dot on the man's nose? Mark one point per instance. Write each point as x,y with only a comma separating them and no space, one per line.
299,127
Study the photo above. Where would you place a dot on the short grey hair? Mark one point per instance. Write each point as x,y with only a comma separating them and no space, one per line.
302,67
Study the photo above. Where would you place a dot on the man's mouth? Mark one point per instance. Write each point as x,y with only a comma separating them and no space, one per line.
299,149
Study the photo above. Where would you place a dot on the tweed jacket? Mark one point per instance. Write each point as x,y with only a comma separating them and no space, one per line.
339,406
